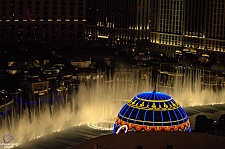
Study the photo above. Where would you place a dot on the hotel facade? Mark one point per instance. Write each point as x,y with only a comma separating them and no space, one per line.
164,25
47,22
118,22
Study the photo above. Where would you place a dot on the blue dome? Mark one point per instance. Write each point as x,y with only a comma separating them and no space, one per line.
153,110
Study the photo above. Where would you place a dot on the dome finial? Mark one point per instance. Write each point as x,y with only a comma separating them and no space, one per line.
154,88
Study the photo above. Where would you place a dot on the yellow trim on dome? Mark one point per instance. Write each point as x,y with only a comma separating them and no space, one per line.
154,122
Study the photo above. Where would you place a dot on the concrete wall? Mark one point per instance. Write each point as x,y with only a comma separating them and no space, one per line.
156,140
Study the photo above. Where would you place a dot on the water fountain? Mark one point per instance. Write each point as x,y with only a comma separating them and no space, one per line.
96,103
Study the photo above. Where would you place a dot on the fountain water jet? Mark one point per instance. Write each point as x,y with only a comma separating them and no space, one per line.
97,101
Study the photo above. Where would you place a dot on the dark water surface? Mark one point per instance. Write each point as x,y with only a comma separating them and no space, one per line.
66,139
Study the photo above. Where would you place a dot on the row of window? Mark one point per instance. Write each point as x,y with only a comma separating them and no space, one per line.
46,8
45,41
37,33
63,3
29,27
45,18
37,12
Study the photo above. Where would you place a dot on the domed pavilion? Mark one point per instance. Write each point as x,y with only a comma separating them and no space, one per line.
151,111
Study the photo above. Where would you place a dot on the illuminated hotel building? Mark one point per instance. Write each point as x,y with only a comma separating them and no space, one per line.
48,22
205,27
121,22
167,24
167,28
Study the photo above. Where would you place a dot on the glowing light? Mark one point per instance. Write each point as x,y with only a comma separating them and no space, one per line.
206,55
122,127
99,36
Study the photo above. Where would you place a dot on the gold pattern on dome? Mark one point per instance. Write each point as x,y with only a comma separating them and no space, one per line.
142,104
156,106
153,106
135,127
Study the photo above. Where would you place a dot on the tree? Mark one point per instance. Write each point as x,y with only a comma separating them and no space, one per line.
221,125
203,124
11,82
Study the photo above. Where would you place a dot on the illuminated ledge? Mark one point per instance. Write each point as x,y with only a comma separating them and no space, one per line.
99,36
25,20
